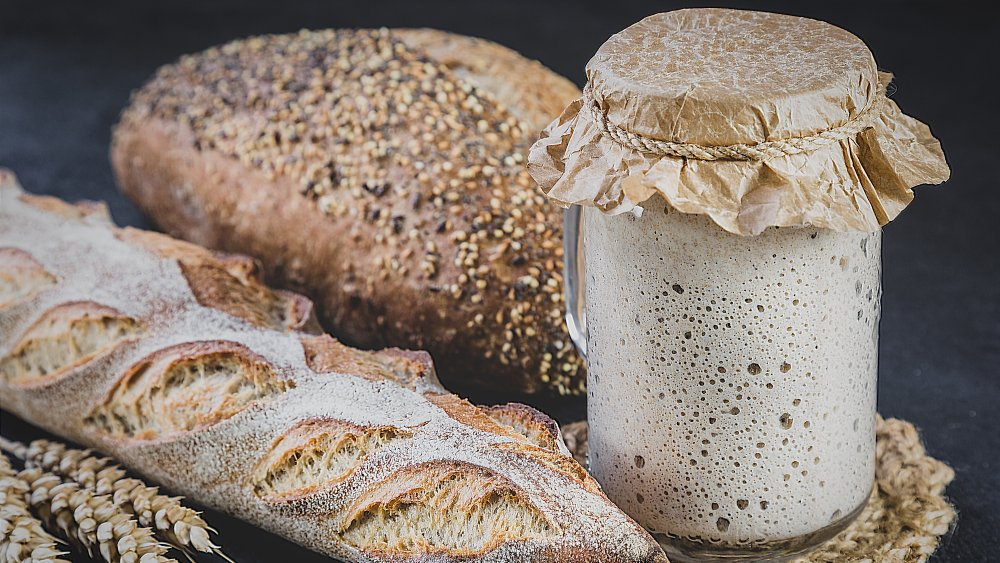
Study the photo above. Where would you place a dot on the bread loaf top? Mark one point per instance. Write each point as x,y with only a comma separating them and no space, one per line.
415,142
183,365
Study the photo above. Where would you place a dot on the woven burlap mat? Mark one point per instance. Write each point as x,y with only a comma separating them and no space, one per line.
906,515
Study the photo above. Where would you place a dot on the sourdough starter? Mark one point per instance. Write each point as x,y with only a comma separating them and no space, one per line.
731,379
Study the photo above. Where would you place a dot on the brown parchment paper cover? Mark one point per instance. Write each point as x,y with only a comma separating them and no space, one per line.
723,78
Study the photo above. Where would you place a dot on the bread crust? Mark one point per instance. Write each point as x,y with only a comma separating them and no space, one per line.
524,86
221,405
412,234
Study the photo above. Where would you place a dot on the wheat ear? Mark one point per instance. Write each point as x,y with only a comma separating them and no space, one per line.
22,537
171,521
91,521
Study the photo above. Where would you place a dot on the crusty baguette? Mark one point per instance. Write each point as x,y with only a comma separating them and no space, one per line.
182,364
382,174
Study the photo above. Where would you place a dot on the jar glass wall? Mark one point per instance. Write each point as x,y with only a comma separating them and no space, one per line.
732,379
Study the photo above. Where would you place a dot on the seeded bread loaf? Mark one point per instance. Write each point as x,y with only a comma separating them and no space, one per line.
381,173
182,364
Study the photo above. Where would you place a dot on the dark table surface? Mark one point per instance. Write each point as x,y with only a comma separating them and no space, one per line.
66,70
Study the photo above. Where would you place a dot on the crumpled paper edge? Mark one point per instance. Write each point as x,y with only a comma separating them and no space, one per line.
857,184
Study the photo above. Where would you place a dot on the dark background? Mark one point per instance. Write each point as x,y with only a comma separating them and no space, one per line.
66,69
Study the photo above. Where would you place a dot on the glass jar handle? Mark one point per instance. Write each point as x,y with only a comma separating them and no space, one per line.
574,276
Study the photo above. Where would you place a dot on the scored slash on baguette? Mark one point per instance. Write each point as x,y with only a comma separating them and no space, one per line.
316,454
185,387
64,337
359,455
21,275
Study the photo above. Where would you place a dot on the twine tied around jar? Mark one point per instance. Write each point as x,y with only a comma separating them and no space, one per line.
758,152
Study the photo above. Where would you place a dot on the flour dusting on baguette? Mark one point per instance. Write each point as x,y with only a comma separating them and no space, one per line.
221,406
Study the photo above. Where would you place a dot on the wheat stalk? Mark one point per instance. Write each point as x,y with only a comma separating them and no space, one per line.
22,537
177,524
171,521
90,521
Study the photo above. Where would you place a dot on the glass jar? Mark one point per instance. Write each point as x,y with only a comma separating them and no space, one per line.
731,399
728,174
